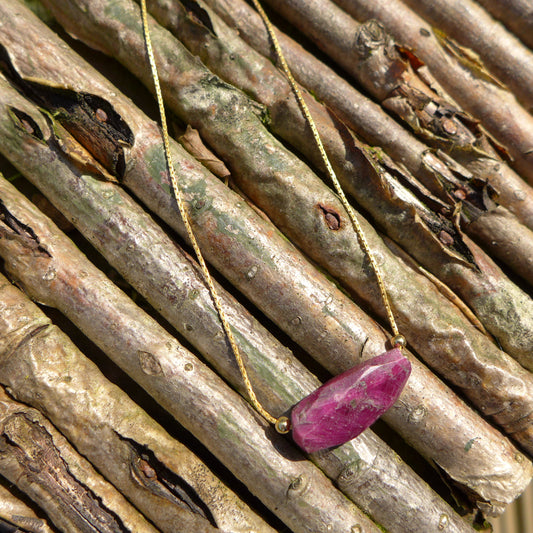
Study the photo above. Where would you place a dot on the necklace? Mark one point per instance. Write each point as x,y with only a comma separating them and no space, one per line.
347,404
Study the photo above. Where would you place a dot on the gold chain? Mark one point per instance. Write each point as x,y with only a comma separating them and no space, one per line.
397,340
329,168
186,221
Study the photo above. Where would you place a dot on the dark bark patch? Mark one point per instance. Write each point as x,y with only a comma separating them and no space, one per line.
26,123
29,444
160,480
198,14
410,56
331,217
20,231
89,118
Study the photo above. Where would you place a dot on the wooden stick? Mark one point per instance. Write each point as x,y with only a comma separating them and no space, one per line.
15,512
515,14
99,210
471,26
369,178
478,94
291,195
266,462
165,481
41,463
370,121
258,260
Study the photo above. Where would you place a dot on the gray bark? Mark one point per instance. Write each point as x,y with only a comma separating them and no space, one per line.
50,267
99,210
291,195
18,513
369,178
370,121
517,15
165,481
40,462
420,415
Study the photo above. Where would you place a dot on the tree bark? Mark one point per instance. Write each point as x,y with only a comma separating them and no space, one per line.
478,94
371,122
471,26
50,267
165,481
99,210
41,463
370,180
421,414
297,201
14,512
333,336
517,15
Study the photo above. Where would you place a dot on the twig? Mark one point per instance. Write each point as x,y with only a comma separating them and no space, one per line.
515,14
300,205
471,26
262,264
51,268
165,481
41,463
17,513
99,210
369,177
478,94
370,121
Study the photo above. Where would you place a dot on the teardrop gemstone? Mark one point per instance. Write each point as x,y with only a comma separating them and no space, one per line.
349,403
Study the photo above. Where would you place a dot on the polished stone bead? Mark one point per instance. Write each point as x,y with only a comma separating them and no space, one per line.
346,405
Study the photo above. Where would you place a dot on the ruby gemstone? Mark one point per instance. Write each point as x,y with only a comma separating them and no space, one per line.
346,405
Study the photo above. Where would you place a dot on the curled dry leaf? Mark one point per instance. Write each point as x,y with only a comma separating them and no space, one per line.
192,142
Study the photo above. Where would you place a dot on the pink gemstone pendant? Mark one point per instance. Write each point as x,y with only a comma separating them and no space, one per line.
346,405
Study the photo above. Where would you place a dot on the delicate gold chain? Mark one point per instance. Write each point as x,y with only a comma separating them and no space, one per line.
329,168
185,217
186,221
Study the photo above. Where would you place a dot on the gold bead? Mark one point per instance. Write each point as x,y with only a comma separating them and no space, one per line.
283,425
398,341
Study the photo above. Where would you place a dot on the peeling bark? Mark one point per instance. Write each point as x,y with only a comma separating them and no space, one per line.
120,439
409,214
14,512
288,192
192,142
99,210
475,92
186,388
471,26
369,120
41,463
334,331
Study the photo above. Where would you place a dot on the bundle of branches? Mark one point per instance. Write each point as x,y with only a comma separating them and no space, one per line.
82,143
461,181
